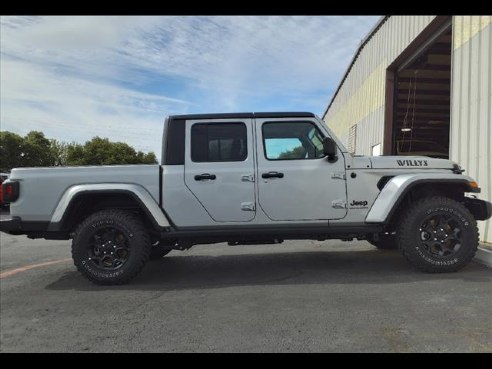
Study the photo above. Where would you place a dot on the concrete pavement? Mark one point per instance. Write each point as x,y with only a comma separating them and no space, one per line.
298,296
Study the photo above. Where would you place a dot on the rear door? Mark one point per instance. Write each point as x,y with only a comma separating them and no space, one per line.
295,179
219,167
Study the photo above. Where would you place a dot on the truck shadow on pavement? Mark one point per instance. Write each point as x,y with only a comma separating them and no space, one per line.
177,272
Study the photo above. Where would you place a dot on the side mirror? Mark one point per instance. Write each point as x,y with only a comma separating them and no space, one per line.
330,148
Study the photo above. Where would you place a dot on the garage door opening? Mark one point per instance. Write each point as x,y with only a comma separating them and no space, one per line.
418,115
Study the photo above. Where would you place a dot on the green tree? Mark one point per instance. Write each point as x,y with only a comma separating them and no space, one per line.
101,151
296,153
148,158
11,146
35,150
75,154
59,152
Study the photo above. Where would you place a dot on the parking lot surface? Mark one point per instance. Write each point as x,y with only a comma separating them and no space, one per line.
298,296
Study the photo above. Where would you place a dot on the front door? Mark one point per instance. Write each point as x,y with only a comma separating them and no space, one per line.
295,179
219,167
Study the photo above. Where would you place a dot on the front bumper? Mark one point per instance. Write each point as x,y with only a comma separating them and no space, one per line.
11,225
481,209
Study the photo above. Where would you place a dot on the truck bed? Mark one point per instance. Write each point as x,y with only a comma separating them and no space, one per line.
42,188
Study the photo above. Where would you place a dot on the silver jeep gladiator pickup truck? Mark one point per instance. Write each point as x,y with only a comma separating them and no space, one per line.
248,178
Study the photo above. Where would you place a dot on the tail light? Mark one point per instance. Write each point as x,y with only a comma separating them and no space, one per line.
10,191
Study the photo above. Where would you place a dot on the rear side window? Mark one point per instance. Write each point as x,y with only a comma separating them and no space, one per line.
213,142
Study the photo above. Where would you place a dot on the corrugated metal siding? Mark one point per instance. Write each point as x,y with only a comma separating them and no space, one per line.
370,132
471,103
360,99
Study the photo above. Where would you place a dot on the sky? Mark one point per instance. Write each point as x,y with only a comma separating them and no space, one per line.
74,78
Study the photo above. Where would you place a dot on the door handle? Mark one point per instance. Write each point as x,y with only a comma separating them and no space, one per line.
201,177
272,175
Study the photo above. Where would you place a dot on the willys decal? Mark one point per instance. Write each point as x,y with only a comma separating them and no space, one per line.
412,163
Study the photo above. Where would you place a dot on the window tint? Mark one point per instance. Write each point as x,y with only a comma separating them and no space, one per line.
212,142
292,141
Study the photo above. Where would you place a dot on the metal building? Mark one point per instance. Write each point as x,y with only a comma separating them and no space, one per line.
421,85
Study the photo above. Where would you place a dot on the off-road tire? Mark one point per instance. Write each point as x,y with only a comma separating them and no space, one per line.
385,241
137,238
410,235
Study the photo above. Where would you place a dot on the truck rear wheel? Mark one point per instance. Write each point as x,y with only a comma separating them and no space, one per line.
111,247
438,234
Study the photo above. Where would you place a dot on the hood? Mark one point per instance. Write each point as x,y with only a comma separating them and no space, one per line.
414,162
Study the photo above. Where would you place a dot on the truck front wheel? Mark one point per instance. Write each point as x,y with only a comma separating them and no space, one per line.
111,247
438,234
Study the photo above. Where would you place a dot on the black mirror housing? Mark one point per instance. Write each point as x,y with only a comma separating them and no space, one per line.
330,148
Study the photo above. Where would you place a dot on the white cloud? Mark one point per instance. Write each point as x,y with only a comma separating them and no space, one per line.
77,77
34,98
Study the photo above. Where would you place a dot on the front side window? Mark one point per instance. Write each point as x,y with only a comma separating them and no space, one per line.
292,141
215,142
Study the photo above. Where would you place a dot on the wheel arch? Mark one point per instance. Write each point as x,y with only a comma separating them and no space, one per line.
402,189
80,201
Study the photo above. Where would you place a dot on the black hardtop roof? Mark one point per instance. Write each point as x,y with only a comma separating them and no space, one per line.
289,114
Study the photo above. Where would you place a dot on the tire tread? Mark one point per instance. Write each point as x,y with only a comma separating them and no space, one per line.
405,242
140,231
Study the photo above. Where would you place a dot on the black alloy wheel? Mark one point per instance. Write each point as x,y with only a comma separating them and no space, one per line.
111,246
438,234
